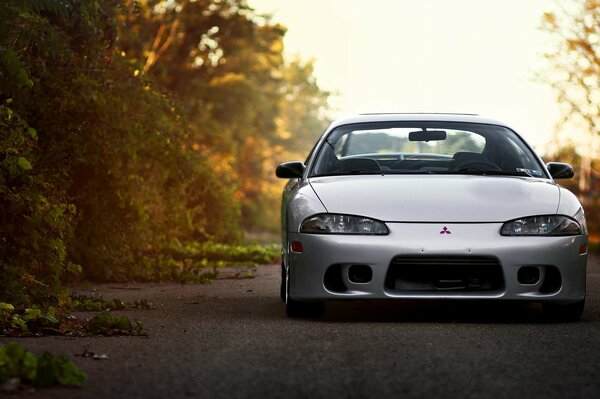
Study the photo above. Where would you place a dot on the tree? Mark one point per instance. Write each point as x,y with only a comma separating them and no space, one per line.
574,71
303,106
95,168
225,64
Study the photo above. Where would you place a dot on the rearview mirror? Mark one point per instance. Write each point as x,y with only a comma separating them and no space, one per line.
560,170
427,135
290,170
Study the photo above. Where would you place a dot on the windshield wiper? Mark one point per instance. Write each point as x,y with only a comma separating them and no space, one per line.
492,172
350,173
416,172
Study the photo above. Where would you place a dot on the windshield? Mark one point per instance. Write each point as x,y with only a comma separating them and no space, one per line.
425,148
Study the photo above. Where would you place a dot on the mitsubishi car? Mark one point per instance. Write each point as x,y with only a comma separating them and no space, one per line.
434,206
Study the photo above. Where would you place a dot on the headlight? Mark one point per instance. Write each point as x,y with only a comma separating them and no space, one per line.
327,223
552,225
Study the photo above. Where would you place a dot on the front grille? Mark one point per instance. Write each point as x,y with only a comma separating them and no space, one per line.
444,273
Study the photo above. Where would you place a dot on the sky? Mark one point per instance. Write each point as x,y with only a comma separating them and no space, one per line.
468,56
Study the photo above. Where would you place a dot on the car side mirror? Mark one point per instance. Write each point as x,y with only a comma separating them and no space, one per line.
290,170
560,170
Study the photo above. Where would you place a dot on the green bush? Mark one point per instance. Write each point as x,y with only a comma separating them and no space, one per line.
86,303
35,218
105,323
38,322
94,164
40,371
199,262
213,251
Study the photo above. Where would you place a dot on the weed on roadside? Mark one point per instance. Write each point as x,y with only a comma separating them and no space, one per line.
20,367
196,262
105,323
36,322
92,303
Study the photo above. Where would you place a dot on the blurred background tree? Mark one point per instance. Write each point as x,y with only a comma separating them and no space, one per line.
225,65
573,71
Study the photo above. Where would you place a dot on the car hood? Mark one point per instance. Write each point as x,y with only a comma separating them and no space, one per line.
442,198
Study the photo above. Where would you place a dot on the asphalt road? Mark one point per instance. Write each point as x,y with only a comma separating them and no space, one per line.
231,339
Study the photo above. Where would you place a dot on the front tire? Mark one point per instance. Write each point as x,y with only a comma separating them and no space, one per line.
299,309
304,309
282,293
558,312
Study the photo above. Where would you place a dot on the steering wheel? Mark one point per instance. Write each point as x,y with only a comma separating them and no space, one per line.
477,163
414,166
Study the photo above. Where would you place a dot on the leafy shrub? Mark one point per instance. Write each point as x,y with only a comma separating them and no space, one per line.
105,323
40,371
196,262
35,219
94,167
29,321
212,251
85,303
164,267
37,322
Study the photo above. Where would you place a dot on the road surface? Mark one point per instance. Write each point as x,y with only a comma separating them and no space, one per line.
231,339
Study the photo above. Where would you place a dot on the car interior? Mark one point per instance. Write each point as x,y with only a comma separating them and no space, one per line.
356,155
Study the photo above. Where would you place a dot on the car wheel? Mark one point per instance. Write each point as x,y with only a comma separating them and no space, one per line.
555,311
300,309
304,309
282,288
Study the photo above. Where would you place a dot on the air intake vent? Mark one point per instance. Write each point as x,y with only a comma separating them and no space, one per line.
434,273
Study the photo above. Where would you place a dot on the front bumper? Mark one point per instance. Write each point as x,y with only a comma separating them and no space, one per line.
425,240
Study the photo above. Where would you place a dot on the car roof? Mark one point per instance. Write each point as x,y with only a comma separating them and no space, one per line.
416,117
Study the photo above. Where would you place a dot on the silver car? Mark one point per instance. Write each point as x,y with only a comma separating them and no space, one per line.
436,206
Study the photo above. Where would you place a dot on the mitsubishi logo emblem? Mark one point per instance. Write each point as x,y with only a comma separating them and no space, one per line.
445,231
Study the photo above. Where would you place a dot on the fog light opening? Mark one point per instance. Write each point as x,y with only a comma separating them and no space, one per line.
583,249
552,280
297,247
528,275
360,274
333,280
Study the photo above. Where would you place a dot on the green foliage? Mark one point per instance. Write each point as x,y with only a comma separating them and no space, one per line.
135,185
37,322
37,370
106,144
236,254
196,262
113,147
28,321
247,107
86,303
105,323
58,7
35,219
161,268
